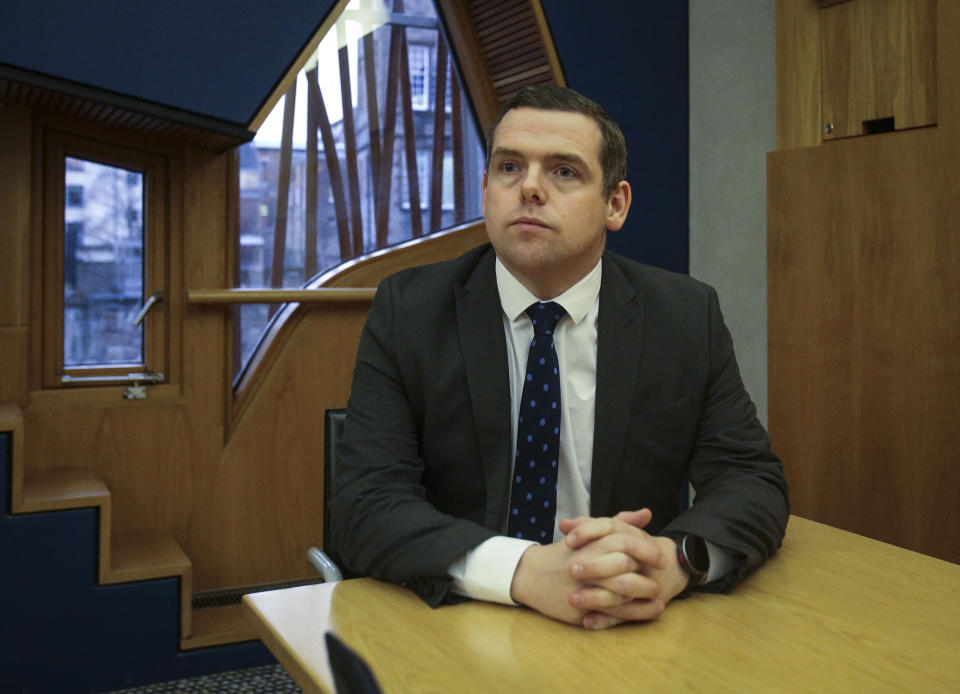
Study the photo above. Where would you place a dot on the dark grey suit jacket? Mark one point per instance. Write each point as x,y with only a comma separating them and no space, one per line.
424,465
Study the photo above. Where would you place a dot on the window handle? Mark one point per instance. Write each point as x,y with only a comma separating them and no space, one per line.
154,300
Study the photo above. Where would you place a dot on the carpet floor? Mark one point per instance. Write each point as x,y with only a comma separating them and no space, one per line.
269,679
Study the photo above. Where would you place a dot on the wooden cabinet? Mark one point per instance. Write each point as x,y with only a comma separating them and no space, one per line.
864,269
878,66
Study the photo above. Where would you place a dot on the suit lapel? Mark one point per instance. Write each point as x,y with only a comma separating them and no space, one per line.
484,353
619,344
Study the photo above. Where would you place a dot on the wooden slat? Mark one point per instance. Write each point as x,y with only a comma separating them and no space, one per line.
283,189
505,23
31,96
278,296
500,44
409,135
373,111
483,11
389,137
439,123
504,59
315,102
310,216
547,41
469,57
350,141
459,175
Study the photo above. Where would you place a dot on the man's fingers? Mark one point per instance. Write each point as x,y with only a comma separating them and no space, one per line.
636,610
638,519
599,620
605,565
590,529
568,524
632,585
630,553
596,598
625,587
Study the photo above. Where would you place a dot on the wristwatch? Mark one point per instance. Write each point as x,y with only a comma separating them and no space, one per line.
694,558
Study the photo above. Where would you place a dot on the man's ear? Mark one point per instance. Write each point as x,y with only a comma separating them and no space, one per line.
483,194
618,205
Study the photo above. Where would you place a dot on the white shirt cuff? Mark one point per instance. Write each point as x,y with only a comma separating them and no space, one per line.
486,571
722,560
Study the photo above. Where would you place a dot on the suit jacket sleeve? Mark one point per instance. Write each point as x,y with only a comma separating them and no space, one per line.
741,495
385,522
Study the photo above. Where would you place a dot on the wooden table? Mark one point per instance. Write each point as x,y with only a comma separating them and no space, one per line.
831,612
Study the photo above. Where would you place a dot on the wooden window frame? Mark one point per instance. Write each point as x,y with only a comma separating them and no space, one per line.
56,148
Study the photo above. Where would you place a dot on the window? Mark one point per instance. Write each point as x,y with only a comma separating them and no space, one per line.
310,201
419,61
423,179
74,196
103,260
423,171
103,269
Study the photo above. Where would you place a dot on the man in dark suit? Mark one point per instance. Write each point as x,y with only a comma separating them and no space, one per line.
646,396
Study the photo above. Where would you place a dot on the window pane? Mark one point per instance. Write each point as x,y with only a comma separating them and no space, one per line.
103,265
357,167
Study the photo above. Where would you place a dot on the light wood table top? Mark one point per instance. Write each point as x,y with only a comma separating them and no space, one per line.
831,612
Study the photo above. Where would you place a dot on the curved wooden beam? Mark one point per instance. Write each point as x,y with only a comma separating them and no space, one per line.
357,275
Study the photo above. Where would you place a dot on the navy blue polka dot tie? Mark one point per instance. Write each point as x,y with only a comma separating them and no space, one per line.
533,498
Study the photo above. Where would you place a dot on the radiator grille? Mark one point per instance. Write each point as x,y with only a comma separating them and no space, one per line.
227,597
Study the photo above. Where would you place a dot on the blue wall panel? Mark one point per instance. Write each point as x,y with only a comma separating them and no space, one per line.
60,632
217,59
632,57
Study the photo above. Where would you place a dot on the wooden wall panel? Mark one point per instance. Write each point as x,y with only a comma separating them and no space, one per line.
864,284
948,61
13,364
15,224
276,507
798,74
242,497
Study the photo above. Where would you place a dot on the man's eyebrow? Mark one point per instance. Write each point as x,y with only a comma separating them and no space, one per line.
552,156
506,152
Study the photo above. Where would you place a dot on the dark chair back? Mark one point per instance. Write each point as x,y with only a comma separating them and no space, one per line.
351,674
333,432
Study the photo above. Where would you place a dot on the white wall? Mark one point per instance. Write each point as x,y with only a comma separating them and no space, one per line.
732,127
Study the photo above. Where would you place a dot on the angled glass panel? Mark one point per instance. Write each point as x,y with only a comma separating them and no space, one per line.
322,183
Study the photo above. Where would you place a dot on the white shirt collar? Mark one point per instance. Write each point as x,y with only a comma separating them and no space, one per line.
576,301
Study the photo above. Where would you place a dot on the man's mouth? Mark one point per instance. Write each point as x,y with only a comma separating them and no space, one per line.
529,223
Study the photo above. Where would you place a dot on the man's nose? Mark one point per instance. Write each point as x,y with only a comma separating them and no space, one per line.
531,188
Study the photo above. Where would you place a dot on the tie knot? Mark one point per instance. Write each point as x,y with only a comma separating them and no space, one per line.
545,315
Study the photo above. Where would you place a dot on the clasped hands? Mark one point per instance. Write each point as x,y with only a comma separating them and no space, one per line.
604,572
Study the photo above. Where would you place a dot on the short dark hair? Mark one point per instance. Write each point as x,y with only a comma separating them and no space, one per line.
613,146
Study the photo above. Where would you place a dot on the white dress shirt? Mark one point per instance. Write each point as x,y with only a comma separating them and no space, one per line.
486,572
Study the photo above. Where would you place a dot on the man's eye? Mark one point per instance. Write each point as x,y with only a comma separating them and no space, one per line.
565,172
508,167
